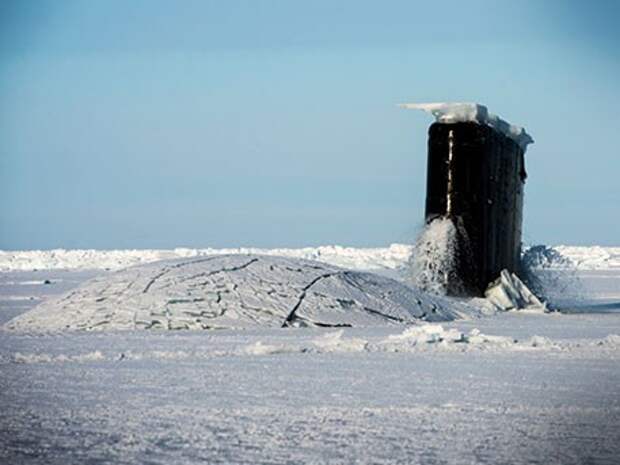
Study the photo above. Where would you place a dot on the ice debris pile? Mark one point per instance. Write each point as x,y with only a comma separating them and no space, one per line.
509,293
237,291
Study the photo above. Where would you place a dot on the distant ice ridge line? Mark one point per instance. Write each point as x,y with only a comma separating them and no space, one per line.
391,259
591,257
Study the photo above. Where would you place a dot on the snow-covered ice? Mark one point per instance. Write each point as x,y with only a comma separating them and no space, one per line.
237,291
516,387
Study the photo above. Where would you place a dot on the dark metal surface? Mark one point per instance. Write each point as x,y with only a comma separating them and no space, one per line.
476,177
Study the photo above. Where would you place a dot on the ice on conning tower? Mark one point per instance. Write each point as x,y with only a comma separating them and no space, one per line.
463,112
475,178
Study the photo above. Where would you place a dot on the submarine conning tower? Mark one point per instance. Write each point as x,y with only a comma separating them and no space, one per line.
475,177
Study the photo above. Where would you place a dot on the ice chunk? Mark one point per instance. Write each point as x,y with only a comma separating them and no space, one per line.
334,342
509,293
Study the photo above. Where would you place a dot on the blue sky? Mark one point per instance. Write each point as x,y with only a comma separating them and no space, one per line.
273,123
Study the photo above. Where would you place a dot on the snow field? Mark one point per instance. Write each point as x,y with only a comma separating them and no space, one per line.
415,339
371,395
514,388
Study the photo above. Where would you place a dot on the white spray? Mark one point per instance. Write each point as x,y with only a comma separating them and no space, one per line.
433,264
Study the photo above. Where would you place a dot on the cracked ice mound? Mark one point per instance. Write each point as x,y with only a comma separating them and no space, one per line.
236,291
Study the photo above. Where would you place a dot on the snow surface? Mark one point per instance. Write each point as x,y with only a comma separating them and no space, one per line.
516,388
391,260
462,112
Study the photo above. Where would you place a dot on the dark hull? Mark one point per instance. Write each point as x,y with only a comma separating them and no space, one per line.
476,177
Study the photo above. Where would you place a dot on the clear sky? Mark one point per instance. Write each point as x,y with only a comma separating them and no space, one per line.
274,123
